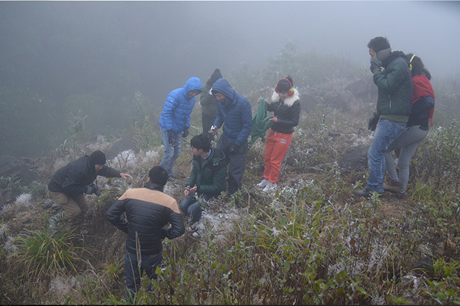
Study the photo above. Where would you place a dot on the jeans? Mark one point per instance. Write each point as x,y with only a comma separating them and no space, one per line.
408,142
386,132
236,163
171,153
191,207
134,271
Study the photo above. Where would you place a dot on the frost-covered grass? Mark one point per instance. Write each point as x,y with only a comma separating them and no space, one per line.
309,242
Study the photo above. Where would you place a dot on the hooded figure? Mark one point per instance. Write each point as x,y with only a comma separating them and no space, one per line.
234,110
179,105
175,119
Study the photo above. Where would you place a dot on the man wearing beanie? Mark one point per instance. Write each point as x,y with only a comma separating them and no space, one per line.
208,102
175,121
235,111
148,210
69,185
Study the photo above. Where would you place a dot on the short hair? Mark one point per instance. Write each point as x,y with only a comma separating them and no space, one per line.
201,141
378,44
158,175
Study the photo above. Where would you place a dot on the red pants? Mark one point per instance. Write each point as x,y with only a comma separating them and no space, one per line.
276,147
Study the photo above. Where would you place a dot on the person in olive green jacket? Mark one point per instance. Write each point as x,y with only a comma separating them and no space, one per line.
207,179
208,102
393,78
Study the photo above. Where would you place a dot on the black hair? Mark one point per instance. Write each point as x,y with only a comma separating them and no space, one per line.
417,66
158,175
201,141
284,86
378,44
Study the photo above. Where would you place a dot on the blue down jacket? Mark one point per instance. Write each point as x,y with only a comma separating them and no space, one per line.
235,112
178,106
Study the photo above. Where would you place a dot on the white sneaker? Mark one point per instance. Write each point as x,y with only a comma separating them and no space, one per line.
263,183
270,186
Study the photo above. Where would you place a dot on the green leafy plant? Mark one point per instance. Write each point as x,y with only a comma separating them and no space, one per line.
41,253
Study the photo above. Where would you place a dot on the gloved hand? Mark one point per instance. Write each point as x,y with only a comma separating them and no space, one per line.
373,122
172,138
185,132
375,65
213,130
92,188
233,149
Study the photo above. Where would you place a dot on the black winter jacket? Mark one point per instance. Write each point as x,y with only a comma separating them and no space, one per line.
287,113
148,210
73,178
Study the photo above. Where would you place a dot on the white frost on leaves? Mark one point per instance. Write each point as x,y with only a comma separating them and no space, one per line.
3,229
62,286
24,200
9,247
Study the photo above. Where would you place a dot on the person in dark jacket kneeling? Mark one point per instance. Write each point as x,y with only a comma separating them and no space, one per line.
207,179
148,211
69,185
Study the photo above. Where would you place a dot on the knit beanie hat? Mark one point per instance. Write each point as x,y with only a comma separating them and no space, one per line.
97,158
214,77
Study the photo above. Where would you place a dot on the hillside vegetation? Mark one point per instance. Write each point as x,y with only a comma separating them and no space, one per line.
310,242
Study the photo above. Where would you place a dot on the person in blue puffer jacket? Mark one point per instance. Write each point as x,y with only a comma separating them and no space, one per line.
234,110
175,120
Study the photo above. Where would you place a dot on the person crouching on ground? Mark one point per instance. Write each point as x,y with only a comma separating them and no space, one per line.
286,107
69,185
148,210
207,179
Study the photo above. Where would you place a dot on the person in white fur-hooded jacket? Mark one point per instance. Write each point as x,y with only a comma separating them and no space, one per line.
286,107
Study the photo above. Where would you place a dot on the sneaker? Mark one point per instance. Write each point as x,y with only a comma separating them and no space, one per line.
365,192
270,186
171,179
263,183
192,228
393,186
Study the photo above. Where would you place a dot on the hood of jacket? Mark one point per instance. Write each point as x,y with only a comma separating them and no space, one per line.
289,100
193,83
224,87
394,55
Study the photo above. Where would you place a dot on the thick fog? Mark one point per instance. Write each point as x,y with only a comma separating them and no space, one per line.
60,49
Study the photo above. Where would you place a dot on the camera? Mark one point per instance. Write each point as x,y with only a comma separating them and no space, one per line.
97,191
94,190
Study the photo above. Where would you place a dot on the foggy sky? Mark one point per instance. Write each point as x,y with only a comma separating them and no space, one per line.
171,41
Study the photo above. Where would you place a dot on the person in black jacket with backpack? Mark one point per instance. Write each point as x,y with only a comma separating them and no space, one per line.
148,210
69,185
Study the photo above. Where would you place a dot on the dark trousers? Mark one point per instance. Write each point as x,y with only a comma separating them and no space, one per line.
134,271
236,163
207,121
191,207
